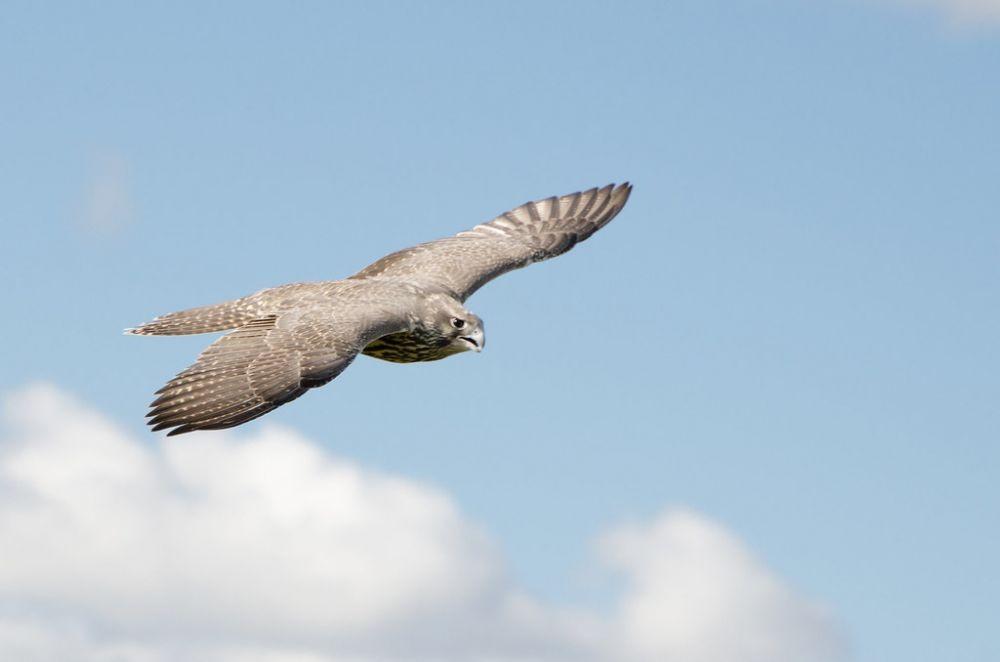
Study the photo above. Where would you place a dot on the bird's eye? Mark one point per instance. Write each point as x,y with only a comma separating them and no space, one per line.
457,323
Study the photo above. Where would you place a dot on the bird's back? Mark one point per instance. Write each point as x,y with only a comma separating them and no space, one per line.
275,300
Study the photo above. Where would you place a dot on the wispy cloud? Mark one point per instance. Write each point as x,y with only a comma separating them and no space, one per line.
265,547
963,12
108,206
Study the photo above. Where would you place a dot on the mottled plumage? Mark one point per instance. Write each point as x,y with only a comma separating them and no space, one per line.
405,307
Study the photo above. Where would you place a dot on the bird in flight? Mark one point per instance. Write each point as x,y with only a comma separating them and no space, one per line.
406,307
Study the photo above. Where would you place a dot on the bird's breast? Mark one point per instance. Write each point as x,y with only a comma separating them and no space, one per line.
410,347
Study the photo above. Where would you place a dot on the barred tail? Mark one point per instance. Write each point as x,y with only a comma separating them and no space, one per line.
205,319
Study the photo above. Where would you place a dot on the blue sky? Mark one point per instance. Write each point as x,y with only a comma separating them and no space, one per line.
790,329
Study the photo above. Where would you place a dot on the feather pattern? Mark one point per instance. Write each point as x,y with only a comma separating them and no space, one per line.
273,359
286,340
533,232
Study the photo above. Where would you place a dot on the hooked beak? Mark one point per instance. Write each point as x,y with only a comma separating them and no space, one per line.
476,340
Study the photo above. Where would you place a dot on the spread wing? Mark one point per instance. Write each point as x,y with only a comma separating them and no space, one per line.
260,366
533,232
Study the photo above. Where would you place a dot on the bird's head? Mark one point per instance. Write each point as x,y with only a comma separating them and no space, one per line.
454,328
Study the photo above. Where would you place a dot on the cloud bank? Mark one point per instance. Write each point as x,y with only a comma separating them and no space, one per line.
215,548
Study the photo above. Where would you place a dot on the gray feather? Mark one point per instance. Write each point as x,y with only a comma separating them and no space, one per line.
295,337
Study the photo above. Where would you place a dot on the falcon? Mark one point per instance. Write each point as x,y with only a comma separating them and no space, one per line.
406,307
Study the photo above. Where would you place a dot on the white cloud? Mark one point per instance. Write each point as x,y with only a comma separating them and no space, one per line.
697,594
964,12
265,547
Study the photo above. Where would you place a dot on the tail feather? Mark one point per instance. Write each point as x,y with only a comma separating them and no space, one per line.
205,319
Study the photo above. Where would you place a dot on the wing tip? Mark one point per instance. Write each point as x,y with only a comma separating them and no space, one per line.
624,190
613,188
172,426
